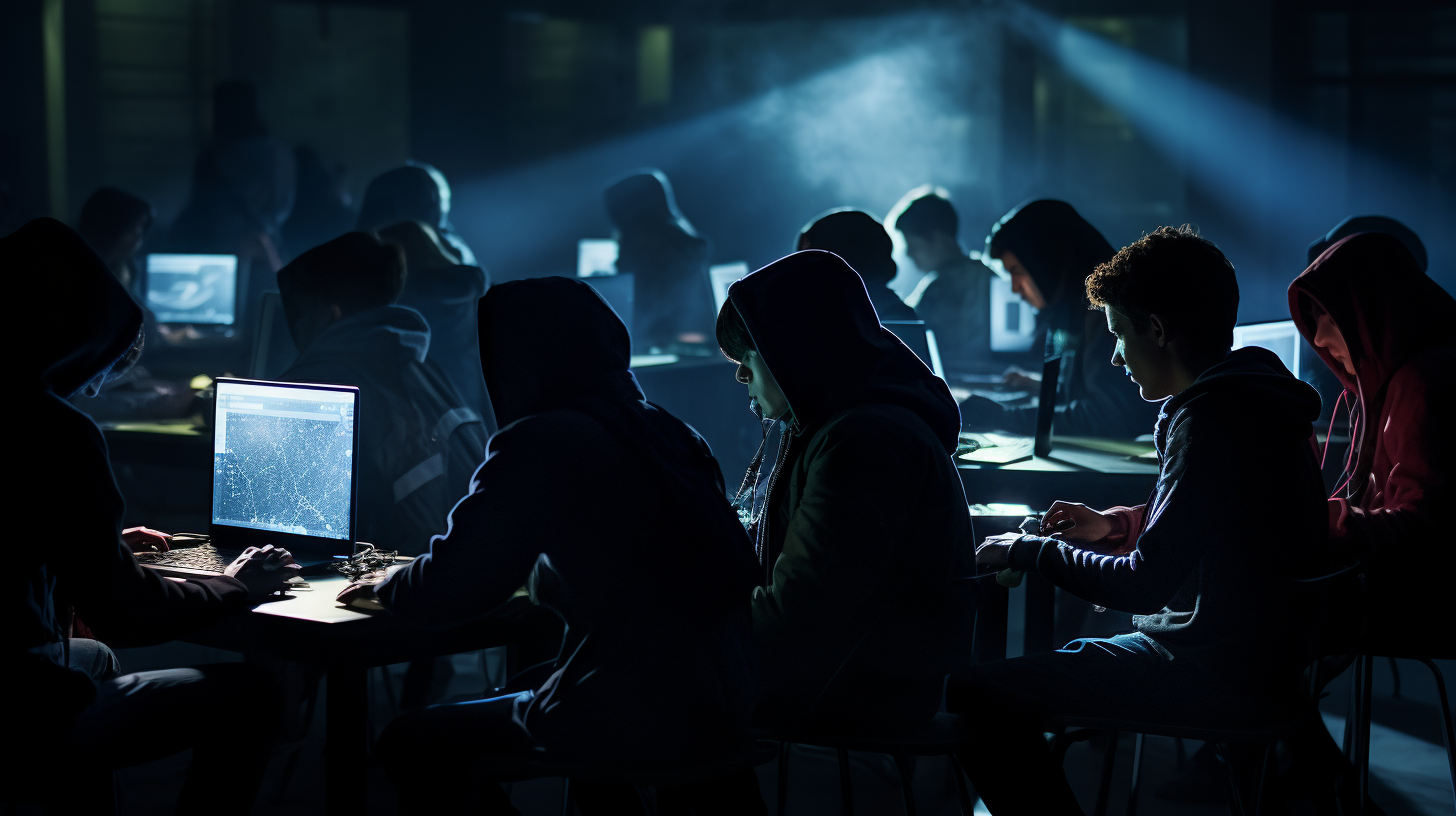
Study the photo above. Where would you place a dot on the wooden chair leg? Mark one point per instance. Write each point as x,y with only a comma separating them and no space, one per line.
1137,768
846,794
905,764
1105,788
783,791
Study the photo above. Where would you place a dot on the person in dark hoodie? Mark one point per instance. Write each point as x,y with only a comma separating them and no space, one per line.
72,717
954,297
1049,250
1221,635
666,256
633,543
860,239
1370,223
415,192
864,525
446,294
418,439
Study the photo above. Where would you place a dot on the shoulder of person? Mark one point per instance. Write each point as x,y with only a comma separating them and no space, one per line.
549,433
874,426
1427,375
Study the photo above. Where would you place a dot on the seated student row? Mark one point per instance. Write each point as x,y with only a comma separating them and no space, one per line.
849,611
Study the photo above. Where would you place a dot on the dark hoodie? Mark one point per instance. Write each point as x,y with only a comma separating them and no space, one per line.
629,506
1397,488
419,440
1060,249
658,246
1210,578
865,524
68,491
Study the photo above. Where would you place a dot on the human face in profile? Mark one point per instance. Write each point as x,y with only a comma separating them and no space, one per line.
1021,281
763,389
1144,356
1327,336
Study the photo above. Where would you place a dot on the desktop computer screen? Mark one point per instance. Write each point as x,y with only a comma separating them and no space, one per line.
723,276
283,458
192,288
1278,336
596,256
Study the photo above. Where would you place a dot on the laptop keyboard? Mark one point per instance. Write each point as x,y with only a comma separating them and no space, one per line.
204,557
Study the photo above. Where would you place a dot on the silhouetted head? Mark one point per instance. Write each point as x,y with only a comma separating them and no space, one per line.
332,281
415,192
100,336
114,223
930,227
858,238
1048,249
1172,300
1370,223
421,245
235,112
643,201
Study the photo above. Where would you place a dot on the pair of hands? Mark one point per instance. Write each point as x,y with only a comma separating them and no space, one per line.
361,594
1086,525
263,570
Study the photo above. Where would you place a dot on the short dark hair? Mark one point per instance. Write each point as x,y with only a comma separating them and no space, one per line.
356,270
733,338
927,215
1176,273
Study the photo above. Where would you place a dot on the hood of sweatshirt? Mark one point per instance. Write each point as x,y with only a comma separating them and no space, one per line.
79,320
1250,376
389,336
812,321
1384,307
1059,249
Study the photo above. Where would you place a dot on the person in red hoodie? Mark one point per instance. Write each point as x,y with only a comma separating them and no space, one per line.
1384,329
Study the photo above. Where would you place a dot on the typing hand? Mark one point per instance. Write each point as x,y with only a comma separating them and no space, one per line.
995,552
263,571
1086,524
1019,380
145,539
360,595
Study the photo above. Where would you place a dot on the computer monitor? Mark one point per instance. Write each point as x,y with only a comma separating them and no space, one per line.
285,466
1013,321
192,288
273,350
1278,336
1046,406
596,256
723,276
617,291
920,340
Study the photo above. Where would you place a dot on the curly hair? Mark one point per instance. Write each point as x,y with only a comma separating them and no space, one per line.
1177,274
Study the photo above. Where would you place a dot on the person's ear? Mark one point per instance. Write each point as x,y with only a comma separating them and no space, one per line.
1159,330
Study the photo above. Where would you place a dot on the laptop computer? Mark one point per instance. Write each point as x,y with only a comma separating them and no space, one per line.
195,289
617,291
1008,449
921,340
284,472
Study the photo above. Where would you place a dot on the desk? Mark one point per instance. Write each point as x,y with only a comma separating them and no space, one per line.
1096,472
310,627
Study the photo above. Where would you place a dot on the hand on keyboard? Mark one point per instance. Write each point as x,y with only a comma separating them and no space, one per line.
263,571
145,539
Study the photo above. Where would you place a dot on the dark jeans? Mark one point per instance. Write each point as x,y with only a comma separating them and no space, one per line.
1125,677
226,713
439,755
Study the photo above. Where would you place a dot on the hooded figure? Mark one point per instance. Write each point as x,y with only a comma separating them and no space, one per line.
68,709
615,511
667,258
1059,249
419,440
1370,223
414,192
860,239
446,294
864,526
1389,509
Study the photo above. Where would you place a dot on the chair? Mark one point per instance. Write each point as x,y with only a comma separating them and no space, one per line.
1090,726
942,736
1357,730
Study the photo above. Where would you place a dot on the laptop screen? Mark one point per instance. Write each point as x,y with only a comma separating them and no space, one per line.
192,288
283,459
1278,336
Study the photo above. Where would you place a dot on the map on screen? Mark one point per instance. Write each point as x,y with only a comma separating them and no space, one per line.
283,459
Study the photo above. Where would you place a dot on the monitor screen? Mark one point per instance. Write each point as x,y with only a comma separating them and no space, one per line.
723,276
1278,336
192,288
618,292
283,458
596,256
920,340
1013,321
